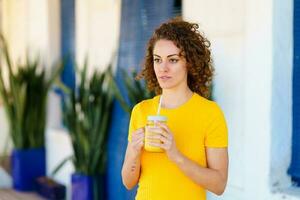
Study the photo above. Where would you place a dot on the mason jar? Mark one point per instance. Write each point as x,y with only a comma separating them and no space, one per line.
152,122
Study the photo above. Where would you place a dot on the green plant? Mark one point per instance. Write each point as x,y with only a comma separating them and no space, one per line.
135,89
24,97
87,112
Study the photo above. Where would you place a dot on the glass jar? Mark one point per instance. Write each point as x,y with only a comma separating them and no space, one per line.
152,122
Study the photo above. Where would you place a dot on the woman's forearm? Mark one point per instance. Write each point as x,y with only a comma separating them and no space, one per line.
210,179
131,169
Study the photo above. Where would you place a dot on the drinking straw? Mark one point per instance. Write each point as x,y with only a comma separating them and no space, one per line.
159,105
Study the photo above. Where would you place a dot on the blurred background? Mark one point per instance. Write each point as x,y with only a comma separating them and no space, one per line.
255,46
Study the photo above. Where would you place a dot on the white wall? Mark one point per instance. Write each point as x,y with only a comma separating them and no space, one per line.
252,52
97,31
282,92
25,26
52,56
257,91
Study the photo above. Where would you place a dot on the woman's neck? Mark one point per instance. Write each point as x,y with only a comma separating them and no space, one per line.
175,98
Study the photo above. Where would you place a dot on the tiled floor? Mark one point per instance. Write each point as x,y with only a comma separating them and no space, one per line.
8,194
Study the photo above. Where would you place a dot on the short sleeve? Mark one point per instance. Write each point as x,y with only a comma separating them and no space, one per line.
217,133
133,121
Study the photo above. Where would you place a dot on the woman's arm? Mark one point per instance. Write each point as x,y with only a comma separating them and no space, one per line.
213,177
132,164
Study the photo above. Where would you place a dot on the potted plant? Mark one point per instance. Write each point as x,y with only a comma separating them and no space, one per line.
135,90
24,96
87,112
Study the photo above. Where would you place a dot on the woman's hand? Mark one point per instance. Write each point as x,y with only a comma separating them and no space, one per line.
165,140
137,141
132,163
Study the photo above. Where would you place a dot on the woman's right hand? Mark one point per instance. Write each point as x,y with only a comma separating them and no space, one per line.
137,141
132,163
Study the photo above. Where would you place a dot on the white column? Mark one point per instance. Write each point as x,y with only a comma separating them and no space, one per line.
258,88
15,27
97,31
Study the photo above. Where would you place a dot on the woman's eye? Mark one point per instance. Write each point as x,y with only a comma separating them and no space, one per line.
156,60
173,60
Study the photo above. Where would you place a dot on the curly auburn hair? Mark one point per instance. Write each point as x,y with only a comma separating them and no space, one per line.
194,47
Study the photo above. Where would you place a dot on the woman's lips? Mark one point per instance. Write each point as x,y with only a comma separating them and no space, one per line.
164,78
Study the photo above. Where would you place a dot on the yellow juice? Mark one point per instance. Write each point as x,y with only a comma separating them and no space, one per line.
151,122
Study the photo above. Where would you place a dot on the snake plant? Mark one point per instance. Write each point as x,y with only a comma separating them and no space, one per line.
87,112
24,92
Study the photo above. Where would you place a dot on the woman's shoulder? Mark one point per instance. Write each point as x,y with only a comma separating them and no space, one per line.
146,104
208,105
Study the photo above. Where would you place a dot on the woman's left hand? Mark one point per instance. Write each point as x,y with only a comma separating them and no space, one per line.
165,140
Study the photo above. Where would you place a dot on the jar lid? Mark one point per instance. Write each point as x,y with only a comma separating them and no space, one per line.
157,118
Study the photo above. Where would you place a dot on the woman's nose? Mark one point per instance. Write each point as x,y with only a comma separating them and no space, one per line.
163,66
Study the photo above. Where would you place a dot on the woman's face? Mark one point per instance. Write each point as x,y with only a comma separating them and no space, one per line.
170,68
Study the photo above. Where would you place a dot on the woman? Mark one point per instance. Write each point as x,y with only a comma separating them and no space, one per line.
178,68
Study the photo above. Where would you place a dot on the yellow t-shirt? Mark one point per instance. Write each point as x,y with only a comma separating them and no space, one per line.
196,124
